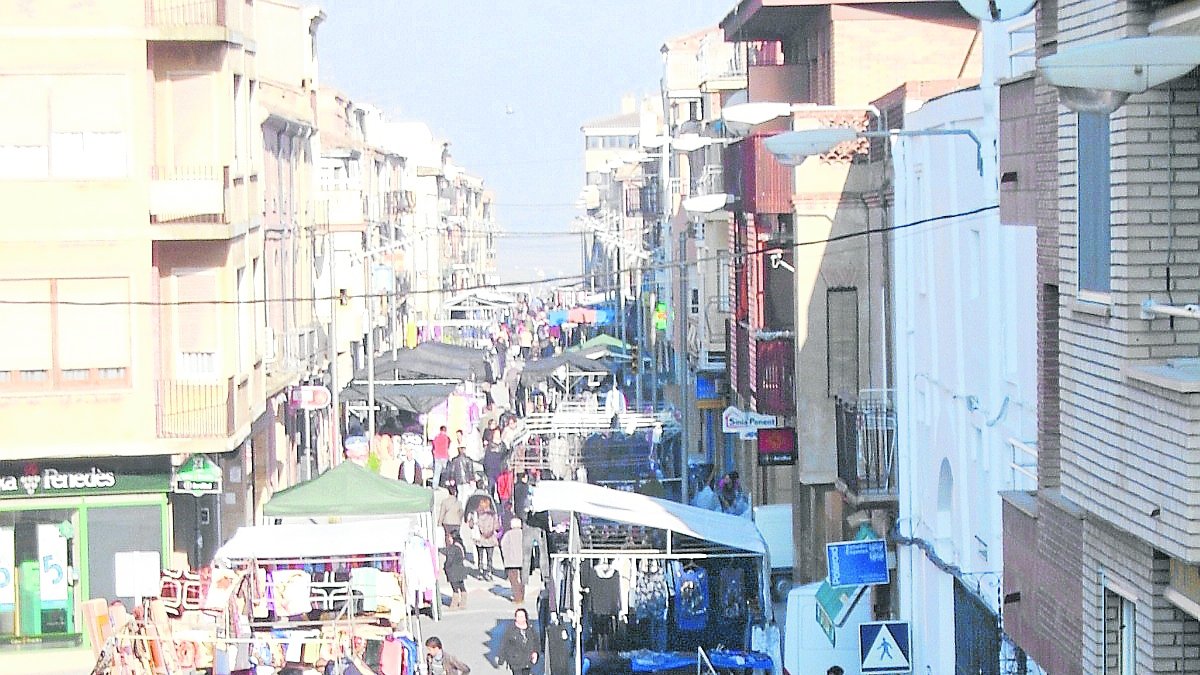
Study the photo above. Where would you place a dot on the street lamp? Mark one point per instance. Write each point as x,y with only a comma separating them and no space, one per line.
740,118
1099,77
793,147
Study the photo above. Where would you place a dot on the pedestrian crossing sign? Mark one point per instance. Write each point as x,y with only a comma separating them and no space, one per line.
884,647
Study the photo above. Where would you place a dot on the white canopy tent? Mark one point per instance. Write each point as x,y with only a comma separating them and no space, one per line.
637,509
728,536
313,540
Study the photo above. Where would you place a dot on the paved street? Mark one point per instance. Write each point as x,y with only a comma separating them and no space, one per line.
473,634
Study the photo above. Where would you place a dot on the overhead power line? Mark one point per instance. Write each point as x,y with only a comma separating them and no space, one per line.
646,267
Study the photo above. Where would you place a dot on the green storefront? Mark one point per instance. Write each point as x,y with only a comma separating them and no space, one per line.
62,524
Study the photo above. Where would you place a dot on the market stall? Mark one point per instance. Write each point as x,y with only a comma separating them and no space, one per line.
322,588
647,583
351,491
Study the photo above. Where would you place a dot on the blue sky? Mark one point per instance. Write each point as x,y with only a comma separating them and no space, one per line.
459,65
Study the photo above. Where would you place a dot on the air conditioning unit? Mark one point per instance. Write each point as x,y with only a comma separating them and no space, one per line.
268,344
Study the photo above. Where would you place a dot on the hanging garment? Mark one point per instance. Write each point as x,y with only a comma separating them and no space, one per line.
731,594
648,597
604,590
293,594
364,581
691,599
560,648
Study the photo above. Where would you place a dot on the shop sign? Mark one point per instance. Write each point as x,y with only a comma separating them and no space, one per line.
198,475
777,447
310,397
857,563
737,421
75,478
706,388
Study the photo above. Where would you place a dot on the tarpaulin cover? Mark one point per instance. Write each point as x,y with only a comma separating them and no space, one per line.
416,398
349,490
636,509
310,540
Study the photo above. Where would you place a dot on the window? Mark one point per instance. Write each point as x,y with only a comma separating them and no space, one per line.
724,279
59,344
1095,253
245,321
197,327
841,320
1119,626
240,113
695,301
64,126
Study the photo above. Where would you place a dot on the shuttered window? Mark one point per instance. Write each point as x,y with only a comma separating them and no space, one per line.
73,333
1095,194
841,307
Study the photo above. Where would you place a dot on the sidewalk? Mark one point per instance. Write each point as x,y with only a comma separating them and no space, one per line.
35,660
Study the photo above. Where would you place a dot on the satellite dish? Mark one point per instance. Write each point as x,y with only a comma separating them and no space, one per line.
997,10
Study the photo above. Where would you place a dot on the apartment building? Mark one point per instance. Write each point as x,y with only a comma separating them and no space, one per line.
361,236
701,71
807,336
158,162
135,233
1101,560
623,197
965,382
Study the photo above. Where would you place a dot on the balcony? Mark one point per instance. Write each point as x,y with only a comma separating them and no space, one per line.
196,410
775,377
199,202
722,66
710,180
866,446
188,20
753,175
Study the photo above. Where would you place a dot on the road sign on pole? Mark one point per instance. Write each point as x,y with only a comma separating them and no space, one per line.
310,397
884,647
857,563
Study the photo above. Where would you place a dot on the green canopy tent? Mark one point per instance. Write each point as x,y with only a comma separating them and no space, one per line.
349,490
609,342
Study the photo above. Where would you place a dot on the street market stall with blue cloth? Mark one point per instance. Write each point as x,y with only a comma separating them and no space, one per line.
641,584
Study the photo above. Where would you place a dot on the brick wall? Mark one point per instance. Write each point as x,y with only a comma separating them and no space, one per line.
1167,639
1043,542
1127,447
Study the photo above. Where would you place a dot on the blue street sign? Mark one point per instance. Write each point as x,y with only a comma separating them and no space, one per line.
884,647
857,563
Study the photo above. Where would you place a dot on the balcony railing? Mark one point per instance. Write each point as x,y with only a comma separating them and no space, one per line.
186,12
199,194
866,444
195,409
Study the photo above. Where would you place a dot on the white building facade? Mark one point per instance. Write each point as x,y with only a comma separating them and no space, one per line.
965,367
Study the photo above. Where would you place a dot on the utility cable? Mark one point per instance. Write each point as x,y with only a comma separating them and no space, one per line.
651,267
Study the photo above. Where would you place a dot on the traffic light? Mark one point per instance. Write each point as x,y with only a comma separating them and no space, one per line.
635,360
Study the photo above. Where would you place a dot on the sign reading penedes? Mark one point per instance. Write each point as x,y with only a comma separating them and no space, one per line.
50,480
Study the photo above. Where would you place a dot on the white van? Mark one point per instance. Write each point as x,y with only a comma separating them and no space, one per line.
807,649
774,523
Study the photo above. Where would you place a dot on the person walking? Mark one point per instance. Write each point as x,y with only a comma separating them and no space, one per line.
456,570
441,454
486,525
438,662
512,553
410,469
450,511
519,646
461,471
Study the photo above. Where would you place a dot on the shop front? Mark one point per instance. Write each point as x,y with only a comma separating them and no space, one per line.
62,522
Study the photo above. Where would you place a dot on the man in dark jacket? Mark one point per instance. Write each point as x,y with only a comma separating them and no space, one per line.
519,647
461,470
